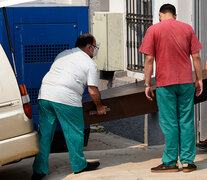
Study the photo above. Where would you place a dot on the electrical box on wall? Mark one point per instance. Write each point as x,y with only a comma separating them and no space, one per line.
108,31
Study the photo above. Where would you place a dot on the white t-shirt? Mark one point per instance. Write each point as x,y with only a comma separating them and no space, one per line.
71,71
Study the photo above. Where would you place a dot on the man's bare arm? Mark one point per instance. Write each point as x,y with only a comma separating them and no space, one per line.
148,70
198,69
96,98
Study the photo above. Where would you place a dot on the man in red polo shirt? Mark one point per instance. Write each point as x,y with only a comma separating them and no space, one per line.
171,43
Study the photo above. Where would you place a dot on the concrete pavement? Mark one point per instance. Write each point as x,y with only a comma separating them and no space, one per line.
120,158
134,163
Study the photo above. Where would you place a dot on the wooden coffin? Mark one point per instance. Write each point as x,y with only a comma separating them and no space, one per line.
128,101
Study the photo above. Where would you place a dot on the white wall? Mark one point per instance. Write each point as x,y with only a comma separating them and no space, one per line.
104,5
117,6
185,11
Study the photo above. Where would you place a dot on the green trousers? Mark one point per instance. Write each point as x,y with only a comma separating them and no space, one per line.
72,123
176,119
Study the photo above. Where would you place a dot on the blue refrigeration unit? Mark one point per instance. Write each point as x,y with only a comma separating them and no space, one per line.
38,34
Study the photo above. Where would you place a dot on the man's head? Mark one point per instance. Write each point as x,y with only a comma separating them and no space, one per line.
167,11
87,43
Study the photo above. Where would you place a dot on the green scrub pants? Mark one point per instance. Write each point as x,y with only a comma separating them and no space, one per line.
176,119
72,123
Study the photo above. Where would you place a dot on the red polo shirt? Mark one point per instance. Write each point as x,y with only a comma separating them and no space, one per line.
171,42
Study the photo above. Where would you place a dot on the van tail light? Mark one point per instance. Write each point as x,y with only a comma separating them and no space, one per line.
28,110
26,101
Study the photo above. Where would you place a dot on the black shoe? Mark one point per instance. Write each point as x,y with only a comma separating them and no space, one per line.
189,167
163,168
37,176
90,166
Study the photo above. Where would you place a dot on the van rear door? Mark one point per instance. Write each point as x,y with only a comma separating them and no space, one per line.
13,121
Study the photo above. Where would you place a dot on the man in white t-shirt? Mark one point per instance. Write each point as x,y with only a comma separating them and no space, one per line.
60,100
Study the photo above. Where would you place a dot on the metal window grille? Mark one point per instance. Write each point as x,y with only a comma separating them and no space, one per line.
139,18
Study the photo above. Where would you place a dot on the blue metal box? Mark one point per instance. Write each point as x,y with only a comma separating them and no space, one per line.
38,34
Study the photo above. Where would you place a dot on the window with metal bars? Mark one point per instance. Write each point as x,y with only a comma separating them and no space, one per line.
139,18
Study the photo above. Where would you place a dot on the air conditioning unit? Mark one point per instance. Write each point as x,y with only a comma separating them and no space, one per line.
108,31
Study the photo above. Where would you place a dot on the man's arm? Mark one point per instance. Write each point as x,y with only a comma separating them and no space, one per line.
148,70
198,69
96,98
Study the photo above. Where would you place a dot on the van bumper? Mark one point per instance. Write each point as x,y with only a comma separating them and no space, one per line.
18,147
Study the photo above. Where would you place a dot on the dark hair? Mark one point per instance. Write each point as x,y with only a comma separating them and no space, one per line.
168,8
83,40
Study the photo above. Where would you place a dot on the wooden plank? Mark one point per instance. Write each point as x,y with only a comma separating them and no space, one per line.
128,101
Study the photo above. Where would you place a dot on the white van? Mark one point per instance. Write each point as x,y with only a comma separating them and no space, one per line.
17,138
